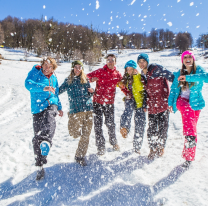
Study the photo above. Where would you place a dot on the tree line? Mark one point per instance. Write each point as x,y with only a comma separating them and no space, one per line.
70,41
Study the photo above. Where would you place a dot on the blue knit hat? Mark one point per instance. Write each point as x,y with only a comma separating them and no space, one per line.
143,56
131,63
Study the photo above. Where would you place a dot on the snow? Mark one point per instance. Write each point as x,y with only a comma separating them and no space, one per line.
170,24
97,4
117,178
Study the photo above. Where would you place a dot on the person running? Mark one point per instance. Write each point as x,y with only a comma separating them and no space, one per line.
186,96
45,105
80,108
103,102
132,87
155,79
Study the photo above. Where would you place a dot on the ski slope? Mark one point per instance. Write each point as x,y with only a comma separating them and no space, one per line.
117,178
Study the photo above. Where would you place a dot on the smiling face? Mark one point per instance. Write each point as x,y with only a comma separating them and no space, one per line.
142,64
130,70
111,62
47,68
77,69
188,60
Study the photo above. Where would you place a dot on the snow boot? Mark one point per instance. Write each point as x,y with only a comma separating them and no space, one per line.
160,151
40,174
116,147
152,154
40,160
124,132
137,151
45,148
101,152
186,164
81,161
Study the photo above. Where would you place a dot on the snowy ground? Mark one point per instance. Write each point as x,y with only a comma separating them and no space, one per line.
117,178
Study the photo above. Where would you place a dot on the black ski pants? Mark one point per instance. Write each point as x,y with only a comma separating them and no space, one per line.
44,125
158,129
108,111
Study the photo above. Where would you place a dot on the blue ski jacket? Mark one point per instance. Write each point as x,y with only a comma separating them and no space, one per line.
196,99
35,82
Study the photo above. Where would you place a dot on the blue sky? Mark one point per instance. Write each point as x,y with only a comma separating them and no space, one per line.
116,15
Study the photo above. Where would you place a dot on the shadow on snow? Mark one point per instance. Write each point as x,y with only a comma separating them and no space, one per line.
71,184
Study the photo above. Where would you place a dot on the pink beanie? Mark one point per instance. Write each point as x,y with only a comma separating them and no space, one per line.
187,53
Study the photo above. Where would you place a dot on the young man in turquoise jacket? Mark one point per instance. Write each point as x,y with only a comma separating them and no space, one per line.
43,87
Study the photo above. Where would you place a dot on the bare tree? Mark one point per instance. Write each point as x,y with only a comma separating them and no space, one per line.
1,35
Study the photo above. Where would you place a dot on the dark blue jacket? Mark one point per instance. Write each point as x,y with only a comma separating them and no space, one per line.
78,95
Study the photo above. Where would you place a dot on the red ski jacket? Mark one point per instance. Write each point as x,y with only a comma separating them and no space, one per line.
105,85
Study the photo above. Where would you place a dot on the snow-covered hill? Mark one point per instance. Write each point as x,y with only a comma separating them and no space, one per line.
117,178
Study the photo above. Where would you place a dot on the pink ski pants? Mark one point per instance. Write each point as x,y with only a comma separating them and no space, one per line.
189,119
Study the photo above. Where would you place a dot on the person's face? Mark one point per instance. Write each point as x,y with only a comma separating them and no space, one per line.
111,62
77,69
188,60
142,64
130,70
47,68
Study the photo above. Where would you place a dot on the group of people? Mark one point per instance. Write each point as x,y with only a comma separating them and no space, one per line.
145,92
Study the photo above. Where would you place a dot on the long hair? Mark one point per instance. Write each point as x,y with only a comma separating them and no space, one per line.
82,75
127,78
185,85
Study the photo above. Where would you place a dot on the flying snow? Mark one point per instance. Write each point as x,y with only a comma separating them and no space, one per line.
132,2
170,24
178,1
97,4
182,14
192,3
44,6
104,22
127,22
197,14
198,26
46,18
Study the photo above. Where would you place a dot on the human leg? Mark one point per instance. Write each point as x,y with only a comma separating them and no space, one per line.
47,130
98,123
109,122
139,121
125,122
152,135
163,123
189,119
86,130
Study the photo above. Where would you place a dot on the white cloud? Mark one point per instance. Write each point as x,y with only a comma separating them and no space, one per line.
97,4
